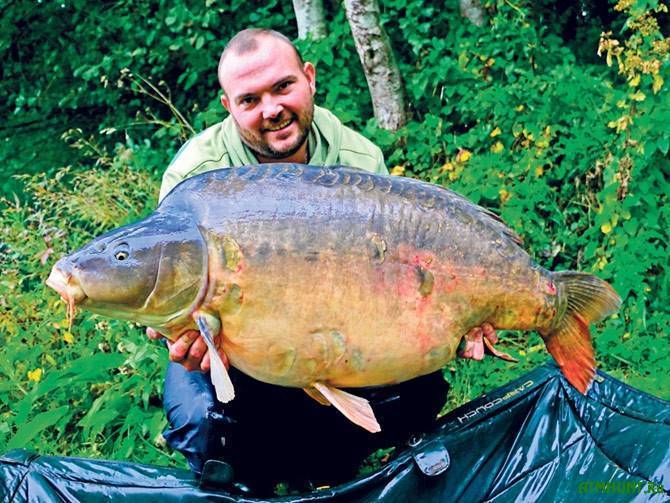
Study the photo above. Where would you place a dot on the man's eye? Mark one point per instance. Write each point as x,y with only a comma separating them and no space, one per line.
284,85
248,100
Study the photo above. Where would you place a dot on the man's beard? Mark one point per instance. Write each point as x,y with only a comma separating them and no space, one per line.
255,142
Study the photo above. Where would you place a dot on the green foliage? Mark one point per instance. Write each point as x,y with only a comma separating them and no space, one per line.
519,117
92,389
79,64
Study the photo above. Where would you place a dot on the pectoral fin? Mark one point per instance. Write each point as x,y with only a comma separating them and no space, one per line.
354,408
209,325
498,354
314,393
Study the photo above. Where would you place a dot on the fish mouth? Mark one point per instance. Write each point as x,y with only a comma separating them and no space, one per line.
63,283
68,288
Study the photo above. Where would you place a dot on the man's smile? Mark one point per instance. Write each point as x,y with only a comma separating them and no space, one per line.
280,125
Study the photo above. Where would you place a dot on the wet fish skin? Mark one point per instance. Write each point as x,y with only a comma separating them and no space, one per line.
337,276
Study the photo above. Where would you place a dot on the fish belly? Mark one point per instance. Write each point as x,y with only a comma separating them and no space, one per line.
353,321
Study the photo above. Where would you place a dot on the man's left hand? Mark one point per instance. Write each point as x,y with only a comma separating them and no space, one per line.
190,350
478,340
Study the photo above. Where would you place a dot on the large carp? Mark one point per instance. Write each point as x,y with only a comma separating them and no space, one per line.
331,277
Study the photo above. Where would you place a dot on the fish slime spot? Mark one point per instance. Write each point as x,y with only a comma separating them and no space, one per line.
357,359
377,249
426,281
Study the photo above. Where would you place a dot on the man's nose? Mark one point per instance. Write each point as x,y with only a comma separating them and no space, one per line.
271,108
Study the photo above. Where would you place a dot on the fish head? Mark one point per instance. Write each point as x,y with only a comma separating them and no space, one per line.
151,272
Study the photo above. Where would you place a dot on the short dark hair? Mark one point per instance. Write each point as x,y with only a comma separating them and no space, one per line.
247,41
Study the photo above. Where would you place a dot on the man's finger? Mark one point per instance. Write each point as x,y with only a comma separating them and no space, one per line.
195,353
490,333
179,348
470,341
153,334
478,351
467,352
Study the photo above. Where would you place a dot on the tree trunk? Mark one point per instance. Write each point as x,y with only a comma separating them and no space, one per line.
381,70
311,18
472,10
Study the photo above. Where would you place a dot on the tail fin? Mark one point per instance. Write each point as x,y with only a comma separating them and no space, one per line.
587,299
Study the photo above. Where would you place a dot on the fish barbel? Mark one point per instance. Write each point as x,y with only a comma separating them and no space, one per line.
331,277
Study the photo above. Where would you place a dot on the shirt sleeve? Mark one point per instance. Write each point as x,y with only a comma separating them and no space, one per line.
170,180
381,168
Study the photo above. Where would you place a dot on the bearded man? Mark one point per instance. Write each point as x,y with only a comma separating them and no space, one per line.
269,433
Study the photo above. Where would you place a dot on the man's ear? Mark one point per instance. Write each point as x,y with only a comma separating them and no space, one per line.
310,73
225,102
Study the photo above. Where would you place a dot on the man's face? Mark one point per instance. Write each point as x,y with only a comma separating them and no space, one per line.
271,98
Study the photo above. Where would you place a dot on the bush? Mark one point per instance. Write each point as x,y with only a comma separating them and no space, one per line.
572,152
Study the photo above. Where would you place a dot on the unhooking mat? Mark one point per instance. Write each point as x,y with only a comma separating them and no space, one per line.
535,439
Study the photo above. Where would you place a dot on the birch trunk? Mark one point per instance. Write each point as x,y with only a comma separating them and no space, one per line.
472,10
381,70
311,18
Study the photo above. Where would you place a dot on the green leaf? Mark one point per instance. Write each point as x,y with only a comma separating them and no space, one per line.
31,429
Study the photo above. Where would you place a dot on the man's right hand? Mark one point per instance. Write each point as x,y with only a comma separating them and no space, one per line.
190,349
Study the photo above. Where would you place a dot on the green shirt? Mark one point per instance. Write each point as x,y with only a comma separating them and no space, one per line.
329,142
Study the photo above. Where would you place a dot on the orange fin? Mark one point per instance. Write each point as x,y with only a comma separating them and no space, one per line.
354,408
316,395
585,299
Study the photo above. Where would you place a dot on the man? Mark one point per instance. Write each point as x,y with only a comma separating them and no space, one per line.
268,91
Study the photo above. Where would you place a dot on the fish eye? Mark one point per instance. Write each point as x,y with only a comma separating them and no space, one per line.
121,252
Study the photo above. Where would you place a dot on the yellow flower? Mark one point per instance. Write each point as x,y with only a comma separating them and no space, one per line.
606,228
67,337
35,375
520,108
463,155
447,166
638,96
453,176
539,171
504,195
621,124
497,147
601,263
495,132
635,81
398,170
658,83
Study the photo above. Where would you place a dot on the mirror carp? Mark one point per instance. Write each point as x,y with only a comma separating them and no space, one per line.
328,278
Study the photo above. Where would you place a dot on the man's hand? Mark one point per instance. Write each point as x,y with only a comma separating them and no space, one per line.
480,339
190,349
